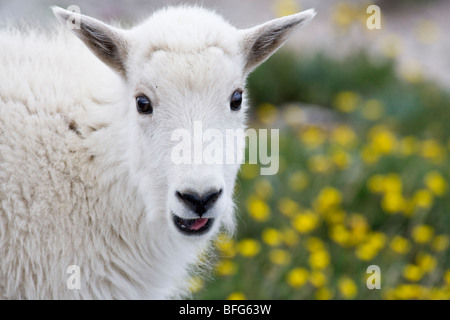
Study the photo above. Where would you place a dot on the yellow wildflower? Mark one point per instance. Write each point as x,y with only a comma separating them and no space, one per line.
412,272
358,228
439,294
236,296
323,294
298,181
312,136
423,199
341,158
369,155
426,262
347,288
248,247
392,183
433,150
319,164
340,235
318,279
389,294
297,277
382,140
393,202
288,207
328,198
422,234
271,237
344,136
314,244
400,245
366,252
373,243
440,243
408,292
346,101
377,239
258,209
279,257
319,259
436,183
305,222
226,268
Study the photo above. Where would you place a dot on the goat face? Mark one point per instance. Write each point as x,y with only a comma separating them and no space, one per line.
181,117
185,71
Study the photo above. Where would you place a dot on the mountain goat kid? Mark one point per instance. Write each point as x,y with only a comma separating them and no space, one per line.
86,174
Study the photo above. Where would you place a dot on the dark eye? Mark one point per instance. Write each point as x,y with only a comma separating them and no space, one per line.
144,105
236,100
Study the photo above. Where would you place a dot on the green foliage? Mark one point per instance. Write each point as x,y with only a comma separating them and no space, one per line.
289,77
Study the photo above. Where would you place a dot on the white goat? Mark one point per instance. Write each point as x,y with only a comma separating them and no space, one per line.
86,176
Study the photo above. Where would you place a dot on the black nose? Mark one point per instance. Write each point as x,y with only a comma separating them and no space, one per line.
199,204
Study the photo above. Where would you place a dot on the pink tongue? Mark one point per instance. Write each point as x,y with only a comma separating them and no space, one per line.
199,223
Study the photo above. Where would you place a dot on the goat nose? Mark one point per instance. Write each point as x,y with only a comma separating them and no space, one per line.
199,204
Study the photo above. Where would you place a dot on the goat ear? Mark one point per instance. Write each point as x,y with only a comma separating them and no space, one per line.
260,42
105,41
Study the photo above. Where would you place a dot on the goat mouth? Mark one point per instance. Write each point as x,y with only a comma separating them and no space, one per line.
193,226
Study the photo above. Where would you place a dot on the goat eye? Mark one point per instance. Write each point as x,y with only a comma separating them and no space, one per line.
144,105
236,100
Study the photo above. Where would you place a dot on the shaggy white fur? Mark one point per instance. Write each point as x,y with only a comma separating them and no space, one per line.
86,179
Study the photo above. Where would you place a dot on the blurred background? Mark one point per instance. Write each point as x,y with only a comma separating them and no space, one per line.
364,120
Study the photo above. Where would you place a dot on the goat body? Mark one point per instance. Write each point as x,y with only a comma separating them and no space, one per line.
86,177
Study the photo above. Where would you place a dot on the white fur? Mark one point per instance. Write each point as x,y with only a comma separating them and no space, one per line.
85,180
